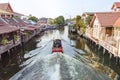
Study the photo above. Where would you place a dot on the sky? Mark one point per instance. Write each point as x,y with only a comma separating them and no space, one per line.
55,8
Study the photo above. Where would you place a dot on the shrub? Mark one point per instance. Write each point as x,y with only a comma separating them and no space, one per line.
16,37
4,41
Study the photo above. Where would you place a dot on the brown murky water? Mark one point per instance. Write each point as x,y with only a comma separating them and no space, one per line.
79,49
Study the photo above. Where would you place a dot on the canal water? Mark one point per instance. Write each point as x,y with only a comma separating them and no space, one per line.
79,61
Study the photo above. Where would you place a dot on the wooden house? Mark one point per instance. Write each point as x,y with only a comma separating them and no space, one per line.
43,22
116,7
105,26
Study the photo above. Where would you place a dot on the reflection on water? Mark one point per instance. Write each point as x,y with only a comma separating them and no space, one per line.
99,61
78,62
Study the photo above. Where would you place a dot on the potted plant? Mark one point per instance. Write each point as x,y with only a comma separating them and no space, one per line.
16,37
4,41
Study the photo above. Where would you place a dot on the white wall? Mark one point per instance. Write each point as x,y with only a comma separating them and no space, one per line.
96,29
115,9
117,33
119,49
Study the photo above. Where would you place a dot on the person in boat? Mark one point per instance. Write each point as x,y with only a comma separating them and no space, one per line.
57,44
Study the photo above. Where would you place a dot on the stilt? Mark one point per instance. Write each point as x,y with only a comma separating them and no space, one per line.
90,43
117,60
8,52
103,60
15,48
98,47
0,62
9,57
11,53
0,58
111,55
110,58
104,50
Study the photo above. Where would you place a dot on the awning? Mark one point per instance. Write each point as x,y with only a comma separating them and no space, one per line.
7,29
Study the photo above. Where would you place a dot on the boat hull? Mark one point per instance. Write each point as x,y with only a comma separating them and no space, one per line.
57,50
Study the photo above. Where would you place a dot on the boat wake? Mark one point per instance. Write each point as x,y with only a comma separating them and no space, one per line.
58,67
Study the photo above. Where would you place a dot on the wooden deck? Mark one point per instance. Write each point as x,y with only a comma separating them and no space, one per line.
8,46
91,38
110,48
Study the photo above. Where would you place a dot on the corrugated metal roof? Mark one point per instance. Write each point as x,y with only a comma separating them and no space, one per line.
7,29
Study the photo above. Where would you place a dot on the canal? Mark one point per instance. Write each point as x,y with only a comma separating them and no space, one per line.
79,61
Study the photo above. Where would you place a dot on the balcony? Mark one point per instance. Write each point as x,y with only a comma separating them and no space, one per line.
8,46
109,47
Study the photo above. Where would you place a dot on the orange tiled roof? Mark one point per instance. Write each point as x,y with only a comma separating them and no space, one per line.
117,23
4,6
106,19
117,4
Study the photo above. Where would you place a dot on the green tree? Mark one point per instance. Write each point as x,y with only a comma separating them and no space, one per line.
88,19
82,26
60,21
78,18
51,21
33,18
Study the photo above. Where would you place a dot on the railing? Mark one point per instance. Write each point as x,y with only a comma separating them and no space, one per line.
89,32
109,47
91,37
8,46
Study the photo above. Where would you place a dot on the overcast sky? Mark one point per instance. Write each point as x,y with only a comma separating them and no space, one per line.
54,8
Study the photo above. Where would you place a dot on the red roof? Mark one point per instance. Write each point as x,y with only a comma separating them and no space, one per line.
6,7
13,22
21,22
117,23
3,22
106,19
116,4
7,29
